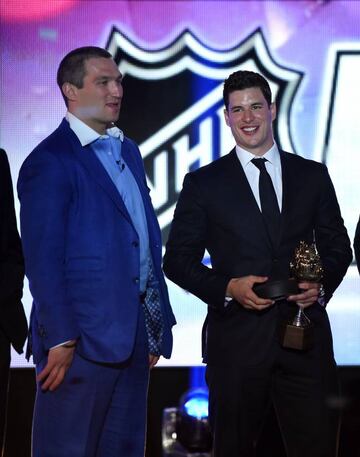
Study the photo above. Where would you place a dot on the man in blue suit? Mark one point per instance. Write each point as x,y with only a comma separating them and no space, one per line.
101,315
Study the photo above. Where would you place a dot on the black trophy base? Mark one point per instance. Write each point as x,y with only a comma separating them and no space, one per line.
277,290
294,337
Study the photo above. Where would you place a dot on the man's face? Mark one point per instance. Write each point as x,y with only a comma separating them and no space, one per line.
98,102
250,120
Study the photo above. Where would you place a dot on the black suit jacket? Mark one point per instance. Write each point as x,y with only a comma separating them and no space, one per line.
12,317
217,211
357,245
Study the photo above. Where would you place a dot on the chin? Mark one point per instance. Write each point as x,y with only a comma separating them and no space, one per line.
114,118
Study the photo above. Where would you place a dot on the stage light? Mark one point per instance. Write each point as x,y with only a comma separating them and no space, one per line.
196,403
186,430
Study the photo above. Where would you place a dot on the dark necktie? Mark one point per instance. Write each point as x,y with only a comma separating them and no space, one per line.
269,204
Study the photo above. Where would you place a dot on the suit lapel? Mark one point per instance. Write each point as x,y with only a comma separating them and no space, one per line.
134,168
138,172
241,192
290,184
94,167
242,189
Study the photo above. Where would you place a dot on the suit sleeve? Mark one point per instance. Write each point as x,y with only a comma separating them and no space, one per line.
13,319
45,194
11,258
186,246
331,237
357,244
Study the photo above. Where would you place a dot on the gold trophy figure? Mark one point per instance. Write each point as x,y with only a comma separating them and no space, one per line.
306,267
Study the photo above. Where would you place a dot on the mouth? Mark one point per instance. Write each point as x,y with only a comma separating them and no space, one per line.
113,105
249,130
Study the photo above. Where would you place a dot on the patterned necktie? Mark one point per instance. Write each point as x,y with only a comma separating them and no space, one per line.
152,311
269,204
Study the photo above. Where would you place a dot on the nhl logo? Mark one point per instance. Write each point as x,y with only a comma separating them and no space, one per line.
173,107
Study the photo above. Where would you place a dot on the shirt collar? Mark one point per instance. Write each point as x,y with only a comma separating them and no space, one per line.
272,156
86,134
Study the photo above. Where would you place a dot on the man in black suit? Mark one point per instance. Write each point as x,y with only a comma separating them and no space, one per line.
223,208
13,325
357,245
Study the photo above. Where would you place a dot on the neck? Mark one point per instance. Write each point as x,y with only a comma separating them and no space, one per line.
99,127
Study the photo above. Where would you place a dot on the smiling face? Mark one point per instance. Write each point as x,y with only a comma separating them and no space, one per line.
250,119
98,102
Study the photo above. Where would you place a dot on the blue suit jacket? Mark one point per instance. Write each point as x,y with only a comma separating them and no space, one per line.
82,251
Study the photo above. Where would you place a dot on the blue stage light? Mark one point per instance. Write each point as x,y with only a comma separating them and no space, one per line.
186,429
197,404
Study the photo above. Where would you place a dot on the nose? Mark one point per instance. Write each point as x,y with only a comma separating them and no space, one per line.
116,89
248,115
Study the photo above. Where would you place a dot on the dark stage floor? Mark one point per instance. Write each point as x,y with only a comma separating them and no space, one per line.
166,387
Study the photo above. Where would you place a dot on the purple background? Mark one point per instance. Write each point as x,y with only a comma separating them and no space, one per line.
35,36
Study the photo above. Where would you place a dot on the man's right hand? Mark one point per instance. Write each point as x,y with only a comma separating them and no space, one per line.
59,361
241,290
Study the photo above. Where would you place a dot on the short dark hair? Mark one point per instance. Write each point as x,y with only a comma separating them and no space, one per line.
243,79
72,67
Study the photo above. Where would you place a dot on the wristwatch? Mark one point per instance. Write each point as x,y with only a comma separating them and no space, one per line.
321,296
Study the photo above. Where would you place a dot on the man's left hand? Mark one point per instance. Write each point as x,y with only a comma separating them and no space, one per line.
153,360
59,361
308,296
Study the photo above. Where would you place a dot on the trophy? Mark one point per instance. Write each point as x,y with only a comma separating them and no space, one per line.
306,267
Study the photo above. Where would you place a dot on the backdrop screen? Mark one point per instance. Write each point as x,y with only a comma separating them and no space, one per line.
174,56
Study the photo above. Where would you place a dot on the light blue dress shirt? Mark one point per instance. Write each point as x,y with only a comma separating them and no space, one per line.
108,150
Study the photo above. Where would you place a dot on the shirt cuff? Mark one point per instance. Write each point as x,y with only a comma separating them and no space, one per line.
61,344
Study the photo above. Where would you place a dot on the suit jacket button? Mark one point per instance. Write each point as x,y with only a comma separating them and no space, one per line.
135,244
42,331
136,280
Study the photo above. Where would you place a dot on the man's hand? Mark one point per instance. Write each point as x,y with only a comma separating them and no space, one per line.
241,290
153,360
59,361
308,296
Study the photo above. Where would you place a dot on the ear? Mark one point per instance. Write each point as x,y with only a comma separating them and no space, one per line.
226,116
70,91
273,111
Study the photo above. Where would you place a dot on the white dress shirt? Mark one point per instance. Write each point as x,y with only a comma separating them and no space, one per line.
252,173
86,134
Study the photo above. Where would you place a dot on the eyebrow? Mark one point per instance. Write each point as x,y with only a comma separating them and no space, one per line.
107,77
242,106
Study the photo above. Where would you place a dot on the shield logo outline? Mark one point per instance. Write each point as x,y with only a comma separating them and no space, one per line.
186,53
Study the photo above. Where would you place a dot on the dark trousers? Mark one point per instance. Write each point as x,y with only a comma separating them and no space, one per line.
99,410
302,386
4,383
